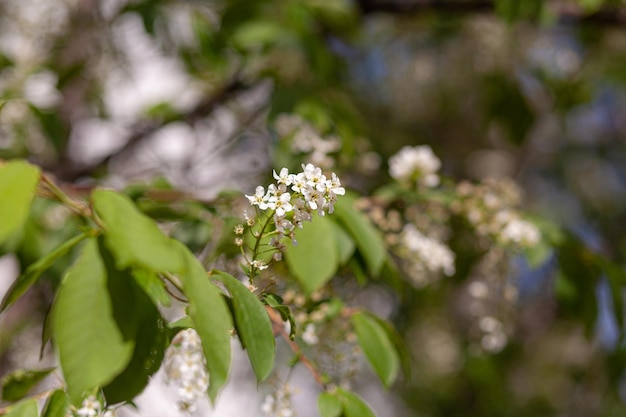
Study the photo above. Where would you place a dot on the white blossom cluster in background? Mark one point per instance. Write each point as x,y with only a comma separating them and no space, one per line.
185,367
490,208
279,403
91,407
417,164
426,255
328,340
307,140
491,302
493,338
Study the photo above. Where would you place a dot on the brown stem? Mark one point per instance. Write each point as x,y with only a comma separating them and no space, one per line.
277,325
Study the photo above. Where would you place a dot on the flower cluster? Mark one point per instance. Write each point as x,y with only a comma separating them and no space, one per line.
185,367
427,254
416,164
305,139
91,407
491,301
279,403
493,339
490,208
298,196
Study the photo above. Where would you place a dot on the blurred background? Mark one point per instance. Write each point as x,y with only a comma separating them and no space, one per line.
119,92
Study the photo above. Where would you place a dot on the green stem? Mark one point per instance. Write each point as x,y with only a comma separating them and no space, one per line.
257,244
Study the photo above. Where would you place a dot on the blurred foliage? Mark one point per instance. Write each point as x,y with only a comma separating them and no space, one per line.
529,89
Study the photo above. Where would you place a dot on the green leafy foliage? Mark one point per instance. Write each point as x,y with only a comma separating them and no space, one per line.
56,404
34,271
329,405
367,238
252,324
26,408
153,286
276,303
315,258
92,349
17,384
140,321
18,181
342,403
211,319
132,237
354,406
377,346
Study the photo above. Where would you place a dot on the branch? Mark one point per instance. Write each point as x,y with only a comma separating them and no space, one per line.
70,172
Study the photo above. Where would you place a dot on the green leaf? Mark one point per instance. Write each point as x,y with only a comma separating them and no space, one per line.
56,405
18,182
90,345
365,235
132,237
17,384
211,319
314,260
276,303
140,321
153,286
253,324
329,405
398,343
258,33
345,243
27,408
378,348
34,271
354,406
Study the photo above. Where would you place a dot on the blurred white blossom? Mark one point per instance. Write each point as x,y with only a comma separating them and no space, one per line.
417,163
185,367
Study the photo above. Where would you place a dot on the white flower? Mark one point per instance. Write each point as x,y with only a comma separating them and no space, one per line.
417,163
431,255
259,198
185,367
520,232
258,264
284,177
278,404
280,203
90,407
310,336
334,185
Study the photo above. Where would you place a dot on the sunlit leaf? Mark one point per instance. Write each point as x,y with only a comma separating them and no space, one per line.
314,260
366,236
329,405
211,319
378,348
140,321
91,347
34,271
354,406
18,182
56,405
253,325
345,243
132,237
153,286
17,384
26,408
